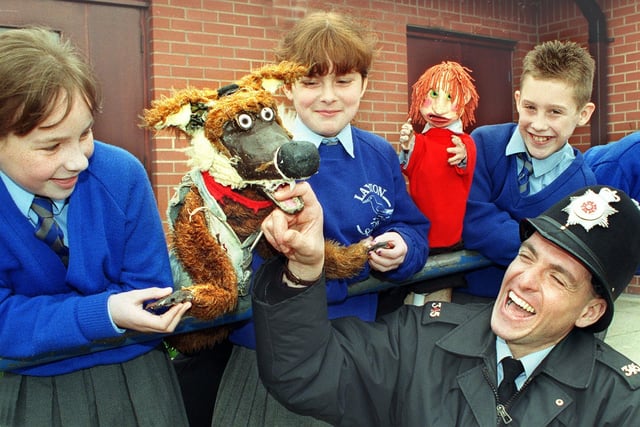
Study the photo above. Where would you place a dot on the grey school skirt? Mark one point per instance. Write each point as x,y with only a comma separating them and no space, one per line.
141,392
244,402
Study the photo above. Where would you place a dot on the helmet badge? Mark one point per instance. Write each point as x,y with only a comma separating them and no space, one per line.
592,209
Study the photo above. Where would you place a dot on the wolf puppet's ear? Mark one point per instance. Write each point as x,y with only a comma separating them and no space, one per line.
185,111
273,76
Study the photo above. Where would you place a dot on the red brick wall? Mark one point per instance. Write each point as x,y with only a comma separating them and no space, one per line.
623,17
209,43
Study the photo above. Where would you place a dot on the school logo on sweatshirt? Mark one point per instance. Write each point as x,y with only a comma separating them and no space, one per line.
381,208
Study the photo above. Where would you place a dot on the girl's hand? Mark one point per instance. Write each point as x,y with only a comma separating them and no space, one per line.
128,312
391,257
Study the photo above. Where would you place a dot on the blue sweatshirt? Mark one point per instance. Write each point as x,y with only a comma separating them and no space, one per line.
618,164
364,195
495,205
116,243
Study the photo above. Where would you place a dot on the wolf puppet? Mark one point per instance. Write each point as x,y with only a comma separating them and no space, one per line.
239,154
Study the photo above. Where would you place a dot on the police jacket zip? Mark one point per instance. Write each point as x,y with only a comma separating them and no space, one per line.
501,408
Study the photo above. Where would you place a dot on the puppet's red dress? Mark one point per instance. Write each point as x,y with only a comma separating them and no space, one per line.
439,189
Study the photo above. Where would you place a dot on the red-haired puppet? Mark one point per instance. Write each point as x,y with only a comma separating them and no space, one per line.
440,160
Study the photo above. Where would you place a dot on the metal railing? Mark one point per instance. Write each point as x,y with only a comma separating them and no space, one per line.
436,266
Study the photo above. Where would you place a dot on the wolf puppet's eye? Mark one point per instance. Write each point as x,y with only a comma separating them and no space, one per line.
245,121
267,114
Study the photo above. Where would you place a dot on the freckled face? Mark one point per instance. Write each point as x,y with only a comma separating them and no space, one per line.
544,294
438,109
48,160
326,104
548,115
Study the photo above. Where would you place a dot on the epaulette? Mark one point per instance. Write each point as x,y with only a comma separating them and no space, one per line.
619,363
446,312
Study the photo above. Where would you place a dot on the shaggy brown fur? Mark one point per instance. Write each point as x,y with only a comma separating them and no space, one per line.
216,290
203,257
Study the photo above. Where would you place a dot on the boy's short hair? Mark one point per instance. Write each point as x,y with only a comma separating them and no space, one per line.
37,69
328,41
564,61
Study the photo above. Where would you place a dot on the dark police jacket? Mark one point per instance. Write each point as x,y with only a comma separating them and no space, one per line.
427,366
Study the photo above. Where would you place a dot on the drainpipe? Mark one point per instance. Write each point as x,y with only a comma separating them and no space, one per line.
598,43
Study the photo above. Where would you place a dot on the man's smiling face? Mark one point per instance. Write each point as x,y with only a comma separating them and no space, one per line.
545,293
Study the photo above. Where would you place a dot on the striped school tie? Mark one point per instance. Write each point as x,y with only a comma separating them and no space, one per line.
525,173
48,229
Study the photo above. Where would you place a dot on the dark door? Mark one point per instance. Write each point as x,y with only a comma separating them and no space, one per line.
111,34
489,59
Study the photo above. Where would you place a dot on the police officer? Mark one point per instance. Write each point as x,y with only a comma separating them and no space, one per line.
450,365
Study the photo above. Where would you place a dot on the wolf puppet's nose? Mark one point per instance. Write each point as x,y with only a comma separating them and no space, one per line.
298,159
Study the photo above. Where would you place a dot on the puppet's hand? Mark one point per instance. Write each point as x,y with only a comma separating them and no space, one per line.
406,136
458,151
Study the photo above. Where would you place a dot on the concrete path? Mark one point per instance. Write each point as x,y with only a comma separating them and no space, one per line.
624,332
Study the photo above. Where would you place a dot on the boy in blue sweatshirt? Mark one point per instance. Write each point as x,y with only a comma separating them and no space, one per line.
522,169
